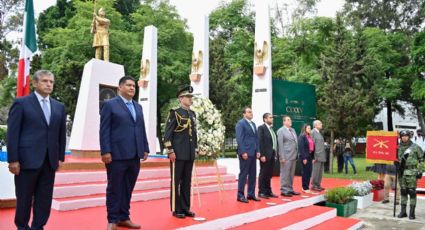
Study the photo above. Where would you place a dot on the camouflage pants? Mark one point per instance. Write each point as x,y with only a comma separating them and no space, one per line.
408,187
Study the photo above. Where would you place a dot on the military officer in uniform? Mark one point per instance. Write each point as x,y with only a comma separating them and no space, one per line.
180,140
411,167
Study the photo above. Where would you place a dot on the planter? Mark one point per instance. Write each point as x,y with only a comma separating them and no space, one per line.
344,210
378,195
364,201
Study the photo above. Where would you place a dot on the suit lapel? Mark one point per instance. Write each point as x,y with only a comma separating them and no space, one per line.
124,106
52,110
37,107
249,126
136,110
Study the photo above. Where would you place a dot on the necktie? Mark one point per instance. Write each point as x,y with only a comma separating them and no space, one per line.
252,126
293,134
130,107
46,110
273,138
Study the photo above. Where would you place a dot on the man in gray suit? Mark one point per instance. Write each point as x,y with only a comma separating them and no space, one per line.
319,156
288,152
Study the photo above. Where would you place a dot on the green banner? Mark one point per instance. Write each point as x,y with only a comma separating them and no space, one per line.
297,100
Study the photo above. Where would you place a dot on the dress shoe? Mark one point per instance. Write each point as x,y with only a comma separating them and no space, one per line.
287,194
322,189
262,195
295,193
111,226
272,195
189,213
128,224
307,191
253,198
316,189
179,215
242,199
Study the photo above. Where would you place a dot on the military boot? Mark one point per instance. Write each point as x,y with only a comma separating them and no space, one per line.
412,212
402,212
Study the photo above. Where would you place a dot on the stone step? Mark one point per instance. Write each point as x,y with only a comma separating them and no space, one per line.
73,203
84,189
84,176
300,218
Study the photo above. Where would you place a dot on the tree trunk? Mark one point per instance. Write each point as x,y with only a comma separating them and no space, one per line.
331,154
420,118
389,115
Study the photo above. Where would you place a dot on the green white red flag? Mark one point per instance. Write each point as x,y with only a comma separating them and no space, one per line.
28,48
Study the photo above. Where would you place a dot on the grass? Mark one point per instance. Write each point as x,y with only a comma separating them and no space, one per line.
362,174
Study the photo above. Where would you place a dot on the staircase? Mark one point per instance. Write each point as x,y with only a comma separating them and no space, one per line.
83,189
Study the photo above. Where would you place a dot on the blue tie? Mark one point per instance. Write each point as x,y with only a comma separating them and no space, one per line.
130,106
46,110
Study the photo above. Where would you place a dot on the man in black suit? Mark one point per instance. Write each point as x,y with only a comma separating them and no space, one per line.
36,149
268,147
181,141
123,143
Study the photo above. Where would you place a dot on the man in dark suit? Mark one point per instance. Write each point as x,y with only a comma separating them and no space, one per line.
268,148
181,141
123,143
248,153
36,149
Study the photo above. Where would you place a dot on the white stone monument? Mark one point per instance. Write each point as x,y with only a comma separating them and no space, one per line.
262,74
148,85
199,77
99,82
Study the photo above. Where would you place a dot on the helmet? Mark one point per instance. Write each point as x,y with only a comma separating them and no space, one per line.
404,133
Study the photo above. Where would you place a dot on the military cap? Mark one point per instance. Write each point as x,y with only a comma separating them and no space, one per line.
404,133
185,90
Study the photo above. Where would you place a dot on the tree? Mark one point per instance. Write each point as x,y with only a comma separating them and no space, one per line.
231,59
390,16
418,68
345,103
400,20
67,47
10,20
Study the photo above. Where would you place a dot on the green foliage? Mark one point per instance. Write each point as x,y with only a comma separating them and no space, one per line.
231,56
67,44
3,135
391,15
339,195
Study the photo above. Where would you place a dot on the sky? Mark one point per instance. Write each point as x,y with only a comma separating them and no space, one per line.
194,10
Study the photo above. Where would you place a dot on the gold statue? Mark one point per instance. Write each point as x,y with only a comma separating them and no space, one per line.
100,27
261,54
196,62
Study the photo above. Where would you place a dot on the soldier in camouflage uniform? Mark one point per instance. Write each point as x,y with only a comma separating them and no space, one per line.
181,142
411,167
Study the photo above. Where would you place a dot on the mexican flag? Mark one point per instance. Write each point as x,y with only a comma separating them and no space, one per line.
28,48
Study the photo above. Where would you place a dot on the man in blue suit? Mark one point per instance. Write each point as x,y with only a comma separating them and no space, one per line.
36,149
123,143
248,153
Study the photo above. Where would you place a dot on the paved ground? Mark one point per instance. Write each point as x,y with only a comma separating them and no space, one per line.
380,216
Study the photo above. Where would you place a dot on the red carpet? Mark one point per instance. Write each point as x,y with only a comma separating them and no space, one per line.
156,214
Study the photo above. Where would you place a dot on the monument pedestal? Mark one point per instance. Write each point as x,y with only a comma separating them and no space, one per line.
98,84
